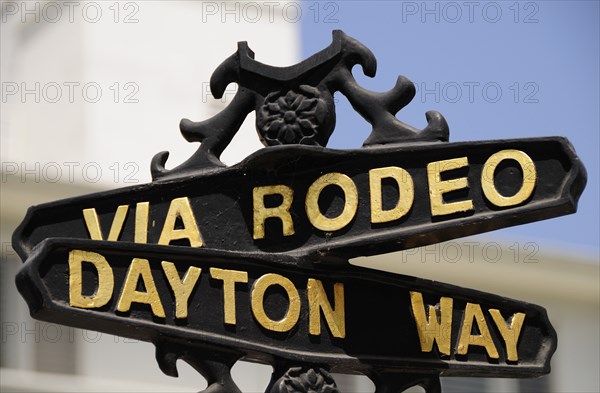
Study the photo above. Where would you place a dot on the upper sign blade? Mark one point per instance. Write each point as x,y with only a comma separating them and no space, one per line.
291,202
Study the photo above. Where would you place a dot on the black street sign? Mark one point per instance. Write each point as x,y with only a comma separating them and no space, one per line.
292,202
213,264
350,318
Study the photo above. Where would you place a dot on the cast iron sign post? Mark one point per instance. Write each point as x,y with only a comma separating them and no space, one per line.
213,264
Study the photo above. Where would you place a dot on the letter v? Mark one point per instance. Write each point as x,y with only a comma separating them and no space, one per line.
93,224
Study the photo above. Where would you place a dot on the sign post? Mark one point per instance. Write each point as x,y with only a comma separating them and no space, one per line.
213,264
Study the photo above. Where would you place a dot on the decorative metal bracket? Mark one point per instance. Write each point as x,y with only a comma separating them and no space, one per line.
215,366
294,105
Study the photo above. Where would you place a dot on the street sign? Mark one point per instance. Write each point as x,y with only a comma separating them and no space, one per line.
214,264
348,317
377,200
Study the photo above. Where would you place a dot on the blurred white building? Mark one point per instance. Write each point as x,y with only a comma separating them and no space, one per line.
92,90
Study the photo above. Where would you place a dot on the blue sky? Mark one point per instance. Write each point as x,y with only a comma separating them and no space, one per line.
493,69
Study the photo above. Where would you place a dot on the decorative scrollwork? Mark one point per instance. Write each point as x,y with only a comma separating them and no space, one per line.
294,105
214,365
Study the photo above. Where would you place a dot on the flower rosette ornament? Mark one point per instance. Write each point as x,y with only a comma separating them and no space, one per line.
302,380
305,117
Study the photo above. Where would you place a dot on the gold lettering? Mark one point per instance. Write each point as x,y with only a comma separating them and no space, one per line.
258,293
317,300
405,190
510,334
141,222
261,213
313,211
182,289
438,187
140,268
434,327
487,178
105,280
484,339
180,207
93,224
229,278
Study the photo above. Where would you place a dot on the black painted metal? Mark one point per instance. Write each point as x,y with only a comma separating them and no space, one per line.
229,192
381,337
295,116
294,105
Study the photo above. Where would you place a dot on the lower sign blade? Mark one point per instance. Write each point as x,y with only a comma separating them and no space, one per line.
350,318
